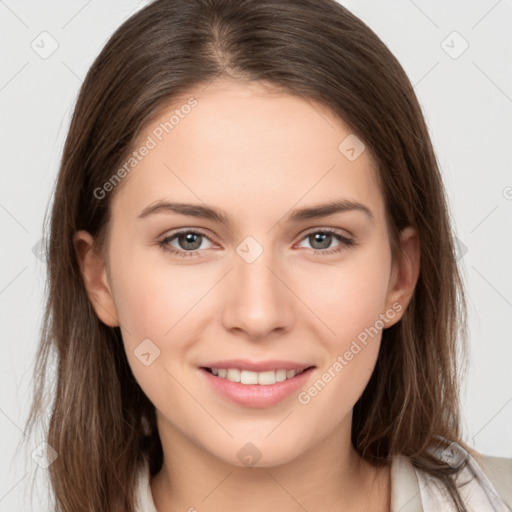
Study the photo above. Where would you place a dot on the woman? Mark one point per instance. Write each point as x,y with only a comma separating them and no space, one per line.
253,290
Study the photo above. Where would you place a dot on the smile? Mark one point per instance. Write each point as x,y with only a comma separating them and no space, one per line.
265,378
249,388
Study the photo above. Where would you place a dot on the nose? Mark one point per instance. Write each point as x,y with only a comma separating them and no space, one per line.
258,304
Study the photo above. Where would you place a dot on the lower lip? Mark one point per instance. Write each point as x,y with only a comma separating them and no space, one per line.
256,395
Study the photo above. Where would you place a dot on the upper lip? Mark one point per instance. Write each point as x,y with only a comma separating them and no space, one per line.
257,366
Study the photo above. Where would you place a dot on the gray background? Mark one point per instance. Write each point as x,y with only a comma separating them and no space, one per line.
467,100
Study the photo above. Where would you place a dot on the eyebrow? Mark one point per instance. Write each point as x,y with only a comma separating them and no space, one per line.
206,212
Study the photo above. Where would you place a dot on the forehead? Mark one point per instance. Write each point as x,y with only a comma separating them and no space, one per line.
248,148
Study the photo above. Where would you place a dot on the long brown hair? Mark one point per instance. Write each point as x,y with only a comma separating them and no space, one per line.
102,425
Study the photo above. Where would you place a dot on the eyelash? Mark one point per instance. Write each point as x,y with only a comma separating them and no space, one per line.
345,242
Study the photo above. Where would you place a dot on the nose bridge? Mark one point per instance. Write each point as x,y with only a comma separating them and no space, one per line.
258,301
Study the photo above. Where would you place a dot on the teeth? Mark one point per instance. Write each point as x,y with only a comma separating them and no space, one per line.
233,375
266,378
280,375
248,377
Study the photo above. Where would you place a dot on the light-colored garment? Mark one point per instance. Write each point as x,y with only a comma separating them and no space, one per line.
485,486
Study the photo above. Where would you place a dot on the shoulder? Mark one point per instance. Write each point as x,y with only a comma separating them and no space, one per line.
499,471
485,484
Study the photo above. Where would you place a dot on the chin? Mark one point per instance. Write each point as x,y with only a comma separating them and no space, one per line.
257,452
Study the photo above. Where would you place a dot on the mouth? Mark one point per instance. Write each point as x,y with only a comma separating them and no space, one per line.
262,378
256,389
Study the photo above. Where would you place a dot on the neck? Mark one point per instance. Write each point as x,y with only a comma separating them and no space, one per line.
331,476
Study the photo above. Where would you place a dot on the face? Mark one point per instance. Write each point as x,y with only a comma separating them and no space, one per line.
267,278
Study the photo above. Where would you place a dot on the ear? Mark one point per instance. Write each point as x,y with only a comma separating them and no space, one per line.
94,274
404,274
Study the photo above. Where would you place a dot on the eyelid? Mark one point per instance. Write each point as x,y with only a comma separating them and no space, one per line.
181,231
188,229
342,232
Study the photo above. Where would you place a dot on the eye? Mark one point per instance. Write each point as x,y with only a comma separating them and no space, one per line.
188,242
321,240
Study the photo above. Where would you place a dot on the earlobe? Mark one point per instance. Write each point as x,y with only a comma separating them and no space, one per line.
405,272
93,269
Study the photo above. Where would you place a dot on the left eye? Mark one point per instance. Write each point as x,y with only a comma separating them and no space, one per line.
322,239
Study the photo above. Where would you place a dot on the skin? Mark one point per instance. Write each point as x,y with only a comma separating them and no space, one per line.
256,154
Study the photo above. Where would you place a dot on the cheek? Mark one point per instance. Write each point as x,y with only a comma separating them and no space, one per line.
348,296
153,297
350,299
159,302
353,314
